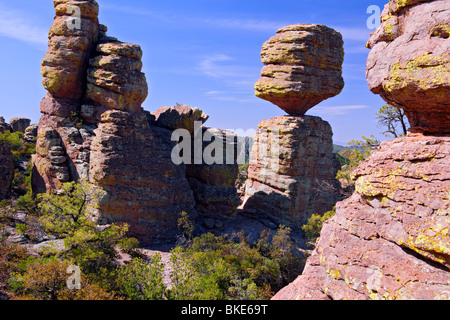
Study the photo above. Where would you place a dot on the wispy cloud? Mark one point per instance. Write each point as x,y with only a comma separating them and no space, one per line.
170,18
14,25
337,110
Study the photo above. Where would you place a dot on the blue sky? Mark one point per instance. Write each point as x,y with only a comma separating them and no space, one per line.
204,53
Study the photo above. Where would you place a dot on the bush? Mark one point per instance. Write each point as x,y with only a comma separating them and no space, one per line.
139,280
228,267
47,280
315,223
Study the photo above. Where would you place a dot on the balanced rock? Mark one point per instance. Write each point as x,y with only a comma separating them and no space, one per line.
6,169
409,62
19,124
292,170
303,67
115,80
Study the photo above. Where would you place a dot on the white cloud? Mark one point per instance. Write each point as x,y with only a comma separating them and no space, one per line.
337,110
13,25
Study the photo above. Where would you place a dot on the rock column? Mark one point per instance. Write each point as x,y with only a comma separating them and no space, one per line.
292,166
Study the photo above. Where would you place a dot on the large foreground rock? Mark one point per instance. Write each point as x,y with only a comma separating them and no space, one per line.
390,239
409,62
292,170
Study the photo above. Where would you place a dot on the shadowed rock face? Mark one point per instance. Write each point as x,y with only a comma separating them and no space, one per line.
303,67
6,170
409,62
389,240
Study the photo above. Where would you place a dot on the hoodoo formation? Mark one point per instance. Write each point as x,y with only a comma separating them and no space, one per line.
390,239
94,128
292,166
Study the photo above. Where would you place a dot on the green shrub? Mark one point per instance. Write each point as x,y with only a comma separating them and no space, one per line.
315,223
139,280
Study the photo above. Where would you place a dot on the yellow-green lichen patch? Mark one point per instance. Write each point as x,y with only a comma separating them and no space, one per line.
423,72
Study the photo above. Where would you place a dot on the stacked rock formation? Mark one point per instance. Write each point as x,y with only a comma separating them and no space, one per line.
389,240
6,170
292,166
94,128
19,124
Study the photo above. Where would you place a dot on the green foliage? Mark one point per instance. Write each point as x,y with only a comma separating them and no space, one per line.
20,149
228,267
142,281
22,152
46,279
186,226
315,223
360,152
70,215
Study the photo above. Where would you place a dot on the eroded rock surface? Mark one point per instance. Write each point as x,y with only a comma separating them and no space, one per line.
390,239
292,170
409,62
303,67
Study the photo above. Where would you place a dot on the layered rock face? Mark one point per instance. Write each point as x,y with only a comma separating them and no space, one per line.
211,177
409,62
292,166
389,240
292,170
6,170
303,67
94,128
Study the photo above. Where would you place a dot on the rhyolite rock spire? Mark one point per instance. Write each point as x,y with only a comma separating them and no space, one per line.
303,67
94,128
390,239
292,171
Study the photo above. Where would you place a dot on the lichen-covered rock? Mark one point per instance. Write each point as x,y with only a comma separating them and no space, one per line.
6,170
390,239
64,65
292,170
303,67
30,134
131,162
409,62
115,80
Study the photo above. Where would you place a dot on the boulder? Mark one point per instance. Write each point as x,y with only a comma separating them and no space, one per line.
303,67
179,117
409,62
19,124
4,126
